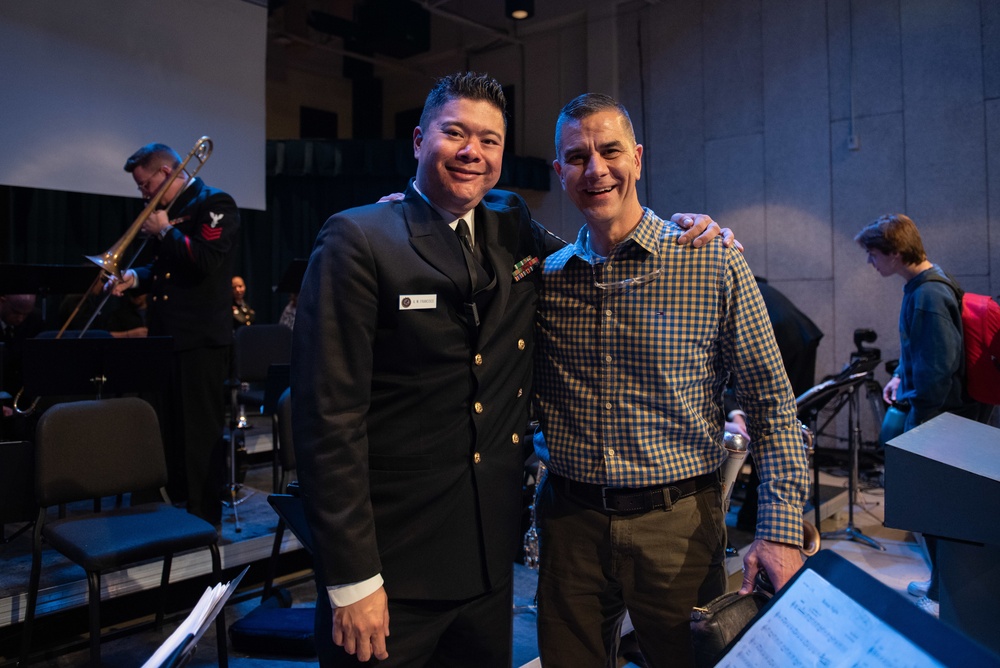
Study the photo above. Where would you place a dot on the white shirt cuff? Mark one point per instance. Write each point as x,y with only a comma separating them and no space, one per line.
342,595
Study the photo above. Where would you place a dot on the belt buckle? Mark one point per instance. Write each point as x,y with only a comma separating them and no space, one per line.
604,499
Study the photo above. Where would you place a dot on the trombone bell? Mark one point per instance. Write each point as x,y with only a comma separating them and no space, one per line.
108,262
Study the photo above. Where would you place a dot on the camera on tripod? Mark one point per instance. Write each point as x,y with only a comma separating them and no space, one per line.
864,359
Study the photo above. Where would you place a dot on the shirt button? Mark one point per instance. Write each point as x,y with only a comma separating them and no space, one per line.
611,452
515,439
476,458
608,405
478,359
520,344
607,358
167,275
478,407
166,297
608,313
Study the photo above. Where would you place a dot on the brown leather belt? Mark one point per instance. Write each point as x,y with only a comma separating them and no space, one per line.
625,500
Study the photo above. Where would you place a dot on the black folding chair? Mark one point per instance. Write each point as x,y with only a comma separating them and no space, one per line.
93,449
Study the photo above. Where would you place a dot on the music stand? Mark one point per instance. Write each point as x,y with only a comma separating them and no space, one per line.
833,613
46,279
96,365
845,388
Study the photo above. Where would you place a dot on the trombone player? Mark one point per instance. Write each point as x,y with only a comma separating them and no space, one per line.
193,232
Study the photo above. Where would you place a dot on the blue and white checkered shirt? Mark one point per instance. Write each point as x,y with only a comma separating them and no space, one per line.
629,377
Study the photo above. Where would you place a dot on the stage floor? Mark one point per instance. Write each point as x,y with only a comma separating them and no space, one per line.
64,585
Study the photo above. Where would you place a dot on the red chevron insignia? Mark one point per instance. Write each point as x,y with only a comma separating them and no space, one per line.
210,233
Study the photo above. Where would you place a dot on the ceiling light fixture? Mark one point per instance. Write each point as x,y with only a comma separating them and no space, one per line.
520,9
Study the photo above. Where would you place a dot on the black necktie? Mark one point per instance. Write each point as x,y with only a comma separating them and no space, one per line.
481,277
465,235
479,270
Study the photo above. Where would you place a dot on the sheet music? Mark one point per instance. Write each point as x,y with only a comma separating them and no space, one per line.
191,629
814,623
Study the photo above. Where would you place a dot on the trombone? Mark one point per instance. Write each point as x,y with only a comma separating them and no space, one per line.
109,262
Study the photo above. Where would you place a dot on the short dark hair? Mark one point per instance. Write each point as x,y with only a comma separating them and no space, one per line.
468,86
588,104
152,155
893,233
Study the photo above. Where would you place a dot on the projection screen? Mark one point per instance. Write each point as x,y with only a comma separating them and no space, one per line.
84,84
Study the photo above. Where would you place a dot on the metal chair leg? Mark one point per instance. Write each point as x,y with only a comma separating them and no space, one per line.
164,582
29,614
94,605
220,621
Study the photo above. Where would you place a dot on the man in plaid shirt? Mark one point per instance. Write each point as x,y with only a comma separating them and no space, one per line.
635,339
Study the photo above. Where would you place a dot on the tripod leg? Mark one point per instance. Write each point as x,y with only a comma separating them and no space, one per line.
854,442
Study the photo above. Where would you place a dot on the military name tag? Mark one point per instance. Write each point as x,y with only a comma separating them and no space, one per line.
411,302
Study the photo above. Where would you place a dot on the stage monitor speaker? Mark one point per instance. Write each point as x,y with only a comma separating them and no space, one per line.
942,478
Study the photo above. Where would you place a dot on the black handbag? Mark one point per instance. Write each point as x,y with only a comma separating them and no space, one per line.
714,625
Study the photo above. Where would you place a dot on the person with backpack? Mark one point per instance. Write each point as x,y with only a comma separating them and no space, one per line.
930,377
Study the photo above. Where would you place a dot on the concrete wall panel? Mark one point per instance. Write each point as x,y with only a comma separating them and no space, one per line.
864,51
866,184
733,75
993,185
796,137
672,130
945,134
734,170
991,48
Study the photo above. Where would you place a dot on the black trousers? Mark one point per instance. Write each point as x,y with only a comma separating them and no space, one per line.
194,434
476,632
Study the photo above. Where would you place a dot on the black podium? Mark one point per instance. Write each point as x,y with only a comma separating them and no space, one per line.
97,366
943,479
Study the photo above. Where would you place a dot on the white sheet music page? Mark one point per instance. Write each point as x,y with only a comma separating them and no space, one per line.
814,623
191,624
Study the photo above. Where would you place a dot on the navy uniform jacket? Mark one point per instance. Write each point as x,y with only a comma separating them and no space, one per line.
407,422
190,279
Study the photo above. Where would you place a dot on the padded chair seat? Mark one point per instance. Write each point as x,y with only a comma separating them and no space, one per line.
96,544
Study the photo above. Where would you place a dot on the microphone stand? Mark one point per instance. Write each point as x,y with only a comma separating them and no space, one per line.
850,532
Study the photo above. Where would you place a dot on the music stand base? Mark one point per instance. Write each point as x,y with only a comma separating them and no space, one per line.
234,502
234,495
851,533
